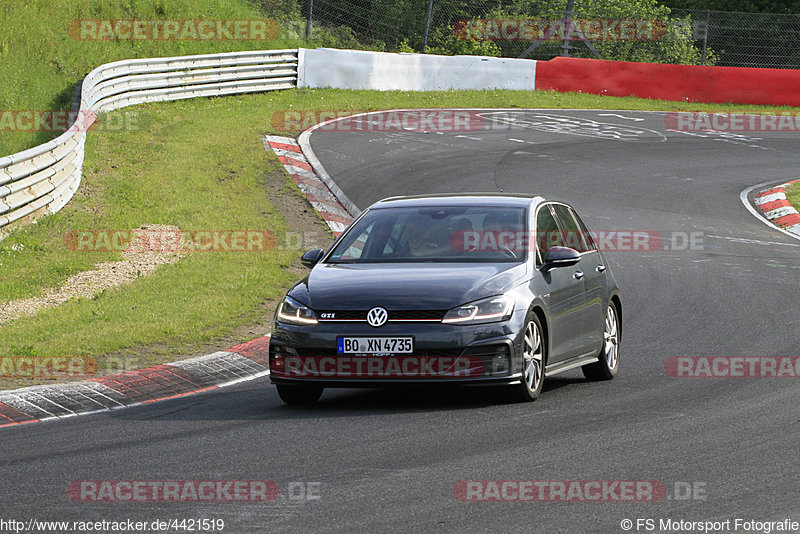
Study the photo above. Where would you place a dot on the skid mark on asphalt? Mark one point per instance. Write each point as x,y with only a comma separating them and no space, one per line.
754,241
726,137
572,125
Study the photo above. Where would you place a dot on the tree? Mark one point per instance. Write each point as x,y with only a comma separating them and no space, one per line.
400,25
669,40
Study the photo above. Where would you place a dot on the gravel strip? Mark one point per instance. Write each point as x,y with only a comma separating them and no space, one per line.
136,263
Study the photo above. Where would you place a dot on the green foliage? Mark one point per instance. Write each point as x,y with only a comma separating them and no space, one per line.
398,25
404,47
672,42
343,37
23,350
444,41
280,9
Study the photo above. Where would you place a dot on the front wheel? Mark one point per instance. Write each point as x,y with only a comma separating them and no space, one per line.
302,394
533,360
607,364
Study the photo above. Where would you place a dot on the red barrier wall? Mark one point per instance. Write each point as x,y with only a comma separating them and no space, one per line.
777,87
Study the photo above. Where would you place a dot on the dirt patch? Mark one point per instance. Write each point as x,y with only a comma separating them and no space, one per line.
136,263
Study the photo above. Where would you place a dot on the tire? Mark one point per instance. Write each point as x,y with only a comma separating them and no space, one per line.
301,394
607,364
534,356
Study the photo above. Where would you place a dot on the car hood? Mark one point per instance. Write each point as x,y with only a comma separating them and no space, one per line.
413,286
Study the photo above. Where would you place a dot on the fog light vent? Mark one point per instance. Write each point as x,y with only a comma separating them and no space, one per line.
500,362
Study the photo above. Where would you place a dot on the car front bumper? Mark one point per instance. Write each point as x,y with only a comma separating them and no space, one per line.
483,354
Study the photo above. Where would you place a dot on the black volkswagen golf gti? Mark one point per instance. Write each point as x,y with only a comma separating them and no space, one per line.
473,289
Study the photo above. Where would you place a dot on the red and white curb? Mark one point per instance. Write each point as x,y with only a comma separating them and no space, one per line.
773,204
239,363
316,191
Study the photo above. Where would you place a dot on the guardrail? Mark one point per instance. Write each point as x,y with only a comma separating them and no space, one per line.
41,180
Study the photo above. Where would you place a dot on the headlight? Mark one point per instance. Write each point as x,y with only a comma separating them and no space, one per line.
482,311
293,312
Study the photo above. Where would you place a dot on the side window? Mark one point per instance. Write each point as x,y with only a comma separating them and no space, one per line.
548,234
587,235
573,234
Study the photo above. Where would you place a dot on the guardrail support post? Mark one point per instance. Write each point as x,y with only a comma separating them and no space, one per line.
308,21
705,38
427,26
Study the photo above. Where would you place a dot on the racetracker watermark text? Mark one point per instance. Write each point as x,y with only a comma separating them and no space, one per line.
381,121
559,490
603,240
559,30
170,240
733,366
26,120
173,30
47,367
376,366
684,121
217,491
173,490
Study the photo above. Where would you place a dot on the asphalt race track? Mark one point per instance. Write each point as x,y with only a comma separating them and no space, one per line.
389,461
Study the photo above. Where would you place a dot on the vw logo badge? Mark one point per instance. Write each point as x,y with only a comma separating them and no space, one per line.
377,316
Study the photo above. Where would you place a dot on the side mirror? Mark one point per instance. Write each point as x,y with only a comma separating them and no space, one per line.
560,257
310,258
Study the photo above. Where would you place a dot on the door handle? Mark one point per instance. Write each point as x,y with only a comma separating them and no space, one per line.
578,275
600,268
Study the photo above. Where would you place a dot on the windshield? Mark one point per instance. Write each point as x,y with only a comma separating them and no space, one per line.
435,234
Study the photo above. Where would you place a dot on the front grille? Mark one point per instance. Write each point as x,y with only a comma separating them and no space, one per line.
416,315
394,315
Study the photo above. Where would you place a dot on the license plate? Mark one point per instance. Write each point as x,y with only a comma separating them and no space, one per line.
375,345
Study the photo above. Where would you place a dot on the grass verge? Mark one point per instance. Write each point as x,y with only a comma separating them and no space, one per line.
200,165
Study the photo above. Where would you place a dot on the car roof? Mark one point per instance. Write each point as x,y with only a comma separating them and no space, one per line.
460,199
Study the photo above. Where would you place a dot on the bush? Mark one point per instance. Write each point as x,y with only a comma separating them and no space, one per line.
444,41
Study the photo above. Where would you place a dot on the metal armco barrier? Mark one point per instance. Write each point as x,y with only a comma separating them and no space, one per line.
41,180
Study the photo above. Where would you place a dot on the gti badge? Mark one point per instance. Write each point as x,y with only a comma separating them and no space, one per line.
377,316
